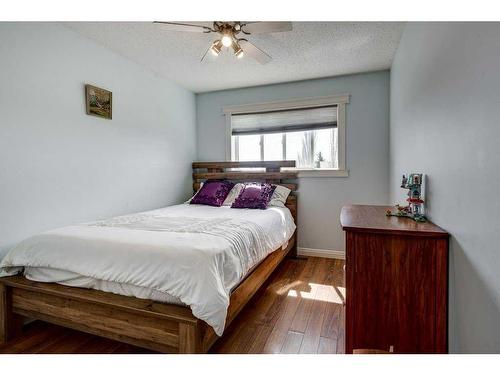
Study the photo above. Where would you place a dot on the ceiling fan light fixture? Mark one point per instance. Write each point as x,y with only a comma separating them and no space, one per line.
227,40
216,47
238,52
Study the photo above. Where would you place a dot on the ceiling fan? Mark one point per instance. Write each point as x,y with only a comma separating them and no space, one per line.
229,36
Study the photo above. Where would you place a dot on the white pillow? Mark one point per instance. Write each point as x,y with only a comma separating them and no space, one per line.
233,194
279,197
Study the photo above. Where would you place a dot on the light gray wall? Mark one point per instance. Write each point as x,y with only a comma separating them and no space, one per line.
445,122
60,166
320,199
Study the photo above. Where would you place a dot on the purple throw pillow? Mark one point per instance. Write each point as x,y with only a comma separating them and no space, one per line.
254,196
212,193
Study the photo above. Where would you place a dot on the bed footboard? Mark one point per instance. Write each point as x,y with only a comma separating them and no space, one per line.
160,327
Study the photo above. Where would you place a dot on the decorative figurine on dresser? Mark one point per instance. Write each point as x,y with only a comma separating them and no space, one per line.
415,207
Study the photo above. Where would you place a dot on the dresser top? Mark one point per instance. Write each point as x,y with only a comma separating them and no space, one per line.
373,219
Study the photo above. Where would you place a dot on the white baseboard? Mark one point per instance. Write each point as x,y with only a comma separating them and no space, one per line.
321,253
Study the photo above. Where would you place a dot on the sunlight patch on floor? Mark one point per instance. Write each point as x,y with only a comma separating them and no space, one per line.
320,292
284,289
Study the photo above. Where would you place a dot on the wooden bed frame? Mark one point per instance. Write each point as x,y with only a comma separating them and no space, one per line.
145,323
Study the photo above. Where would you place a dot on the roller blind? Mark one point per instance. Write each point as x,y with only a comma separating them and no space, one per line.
282,121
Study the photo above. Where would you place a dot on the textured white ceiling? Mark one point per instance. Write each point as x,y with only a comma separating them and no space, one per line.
311,50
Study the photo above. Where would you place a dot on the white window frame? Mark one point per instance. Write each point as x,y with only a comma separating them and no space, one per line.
339,100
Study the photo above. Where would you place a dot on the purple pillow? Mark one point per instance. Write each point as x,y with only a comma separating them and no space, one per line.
254,196
212,193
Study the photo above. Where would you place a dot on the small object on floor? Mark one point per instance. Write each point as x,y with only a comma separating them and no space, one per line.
415,208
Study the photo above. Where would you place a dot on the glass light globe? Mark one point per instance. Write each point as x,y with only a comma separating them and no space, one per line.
227,40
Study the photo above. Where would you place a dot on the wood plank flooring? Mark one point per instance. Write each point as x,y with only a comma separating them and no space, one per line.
299,310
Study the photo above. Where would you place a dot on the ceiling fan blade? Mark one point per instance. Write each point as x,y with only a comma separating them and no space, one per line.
205,54
254,52
176,26
266,27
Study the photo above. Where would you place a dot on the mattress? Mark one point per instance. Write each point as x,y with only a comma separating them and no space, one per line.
51,275
185,254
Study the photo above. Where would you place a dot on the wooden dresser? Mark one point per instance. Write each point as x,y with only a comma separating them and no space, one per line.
396,282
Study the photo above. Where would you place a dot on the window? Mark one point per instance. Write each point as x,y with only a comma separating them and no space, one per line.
309,131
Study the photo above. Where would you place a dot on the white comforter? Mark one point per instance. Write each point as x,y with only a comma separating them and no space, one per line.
191,252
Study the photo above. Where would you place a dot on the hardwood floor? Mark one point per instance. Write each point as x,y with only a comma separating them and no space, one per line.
299,310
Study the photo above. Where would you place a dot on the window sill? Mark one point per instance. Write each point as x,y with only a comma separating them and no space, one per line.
324,172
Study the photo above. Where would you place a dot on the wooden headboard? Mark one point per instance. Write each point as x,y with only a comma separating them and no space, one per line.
258,171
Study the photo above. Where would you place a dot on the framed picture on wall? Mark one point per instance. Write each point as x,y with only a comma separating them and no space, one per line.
99,102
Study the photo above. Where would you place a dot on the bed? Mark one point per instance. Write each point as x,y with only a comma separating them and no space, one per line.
138,310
